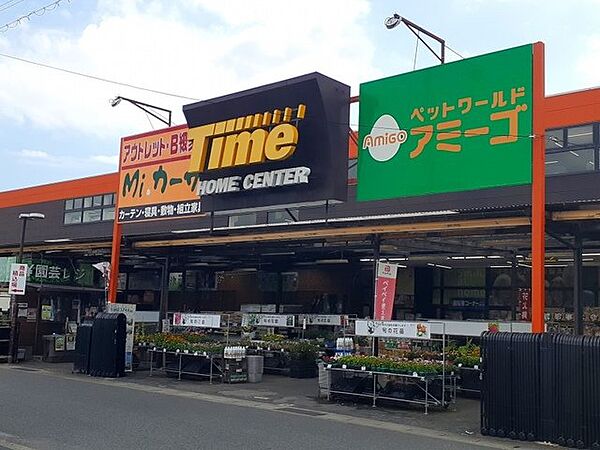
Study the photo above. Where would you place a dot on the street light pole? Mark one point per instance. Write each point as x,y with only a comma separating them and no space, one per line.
396,19
147,108
13,345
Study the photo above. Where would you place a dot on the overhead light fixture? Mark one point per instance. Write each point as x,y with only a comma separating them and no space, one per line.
278,254
32,216
457,257
53,241
191,230
366,259
146,107
397,19
331,261
555,265
393,22
524,265
495,257
566,260
475,257
441,266
397,259
590,254
556,141
501,267
587,259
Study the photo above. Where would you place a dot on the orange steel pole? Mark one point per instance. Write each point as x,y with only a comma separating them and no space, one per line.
115,253
114,261
538,194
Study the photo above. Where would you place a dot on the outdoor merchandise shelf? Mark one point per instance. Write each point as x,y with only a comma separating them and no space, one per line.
418,375
425,390
181,363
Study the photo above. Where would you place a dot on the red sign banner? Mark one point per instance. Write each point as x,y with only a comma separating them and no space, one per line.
385,290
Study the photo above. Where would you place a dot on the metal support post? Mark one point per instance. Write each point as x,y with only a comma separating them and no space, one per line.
376,255
538,194
514,286
13,343
578,285
164,291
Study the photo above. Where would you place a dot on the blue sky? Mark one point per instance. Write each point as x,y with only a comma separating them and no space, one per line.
55,126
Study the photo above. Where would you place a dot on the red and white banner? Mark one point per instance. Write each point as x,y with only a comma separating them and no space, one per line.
18,279
385,290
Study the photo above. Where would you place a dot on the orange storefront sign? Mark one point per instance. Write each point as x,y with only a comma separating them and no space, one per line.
154,181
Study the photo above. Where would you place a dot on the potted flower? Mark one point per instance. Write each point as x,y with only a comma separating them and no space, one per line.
303,355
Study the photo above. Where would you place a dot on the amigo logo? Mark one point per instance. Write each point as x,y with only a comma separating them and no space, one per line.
385,138
246,140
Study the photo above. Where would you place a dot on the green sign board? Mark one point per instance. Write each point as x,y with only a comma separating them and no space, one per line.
460,126
5,262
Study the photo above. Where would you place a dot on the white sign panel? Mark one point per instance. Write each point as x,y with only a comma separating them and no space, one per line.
147,316
258,308
18,279
129,311
268,320
321,319
197,320
392,329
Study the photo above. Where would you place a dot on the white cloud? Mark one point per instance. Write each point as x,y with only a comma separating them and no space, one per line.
66,161
196,48
34,154
588,64
111,160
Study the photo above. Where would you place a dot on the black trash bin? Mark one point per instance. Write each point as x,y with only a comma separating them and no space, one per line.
83,346
107,353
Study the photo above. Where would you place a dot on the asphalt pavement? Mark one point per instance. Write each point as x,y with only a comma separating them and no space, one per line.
41,411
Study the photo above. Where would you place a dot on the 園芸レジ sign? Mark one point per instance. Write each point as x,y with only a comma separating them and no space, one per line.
385,290
17,282
396,329
197,320
154,181
459,126
275,145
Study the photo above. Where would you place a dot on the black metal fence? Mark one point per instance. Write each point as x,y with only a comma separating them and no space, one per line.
541,387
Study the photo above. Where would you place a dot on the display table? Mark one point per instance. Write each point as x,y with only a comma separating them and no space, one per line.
425,390
191,364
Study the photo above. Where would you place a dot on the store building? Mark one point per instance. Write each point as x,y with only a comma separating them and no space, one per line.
462,255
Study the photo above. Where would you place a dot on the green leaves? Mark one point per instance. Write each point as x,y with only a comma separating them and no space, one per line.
389,365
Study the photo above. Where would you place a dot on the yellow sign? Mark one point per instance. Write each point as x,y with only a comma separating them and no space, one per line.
247,140
154,181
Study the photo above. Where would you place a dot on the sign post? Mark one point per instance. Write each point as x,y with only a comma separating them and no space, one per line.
538,195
